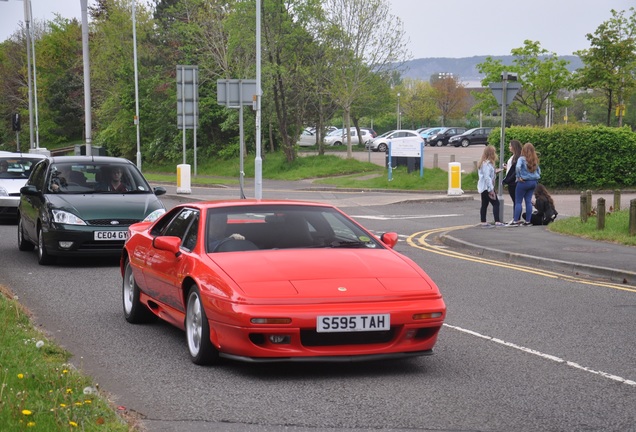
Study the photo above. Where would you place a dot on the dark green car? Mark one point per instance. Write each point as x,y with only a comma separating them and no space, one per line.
82,206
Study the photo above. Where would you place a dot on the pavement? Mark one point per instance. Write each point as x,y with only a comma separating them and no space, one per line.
534,246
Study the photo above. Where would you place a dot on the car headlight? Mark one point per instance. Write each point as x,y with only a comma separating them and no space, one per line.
154,215
64,217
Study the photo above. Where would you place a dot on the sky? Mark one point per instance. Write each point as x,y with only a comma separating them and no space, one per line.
436,28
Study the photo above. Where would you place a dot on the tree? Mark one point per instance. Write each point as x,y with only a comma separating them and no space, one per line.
450,96
541,74
418,102
610,62
357,48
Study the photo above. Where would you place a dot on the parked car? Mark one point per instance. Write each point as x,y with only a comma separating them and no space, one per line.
441,138
14,173
306,139
381,143
471,137
426,133
319,285
82,206
339,137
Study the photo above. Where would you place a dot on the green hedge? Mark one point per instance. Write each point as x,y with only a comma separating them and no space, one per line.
579,157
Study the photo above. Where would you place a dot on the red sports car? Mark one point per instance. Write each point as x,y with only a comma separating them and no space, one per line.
258,280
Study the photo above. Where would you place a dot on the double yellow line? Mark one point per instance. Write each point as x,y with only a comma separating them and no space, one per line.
420,240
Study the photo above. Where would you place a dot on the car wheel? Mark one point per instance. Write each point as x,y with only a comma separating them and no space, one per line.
382,147
440,143
43,256
23,244
135,311
197,328
337,143
465,143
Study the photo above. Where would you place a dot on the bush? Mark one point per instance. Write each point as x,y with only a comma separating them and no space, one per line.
580,157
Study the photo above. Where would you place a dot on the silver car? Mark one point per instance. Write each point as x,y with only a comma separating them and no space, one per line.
14,173
381,143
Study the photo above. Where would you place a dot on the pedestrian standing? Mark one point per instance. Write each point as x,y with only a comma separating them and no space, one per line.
511,171
486,185
528,174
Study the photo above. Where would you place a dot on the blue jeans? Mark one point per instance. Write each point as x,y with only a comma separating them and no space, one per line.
524,192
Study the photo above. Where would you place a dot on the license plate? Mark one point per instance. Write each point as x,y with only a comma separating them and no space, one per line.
110,235
353,323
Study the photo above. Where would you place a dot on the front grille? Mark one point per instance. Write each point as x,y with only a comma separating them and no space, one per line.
102,245
107,222
313,338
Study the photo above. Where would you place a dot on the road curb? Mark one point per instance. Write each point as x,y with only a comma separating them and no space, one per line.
578,269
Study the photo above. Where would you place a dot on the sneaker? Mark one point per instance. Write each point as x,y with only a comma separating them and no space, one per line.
499,224
485,225
514,223
527,223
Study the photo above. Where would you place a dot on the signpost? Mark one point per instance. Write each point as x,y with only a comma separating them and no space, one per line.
505,93
234,93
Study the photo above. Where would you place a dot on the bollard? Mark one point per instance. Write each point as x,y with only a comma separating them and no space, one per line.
452,158
435,161
455,178
617,200
583,207
632,217
589,201
475,168
600,214
183,179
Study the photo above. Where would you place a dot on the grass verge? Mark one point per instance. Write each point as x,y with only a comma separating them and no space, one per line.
616,228
39,389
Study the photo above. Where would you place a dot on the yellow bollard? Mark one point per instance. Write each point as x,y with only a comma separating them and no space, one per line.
455,178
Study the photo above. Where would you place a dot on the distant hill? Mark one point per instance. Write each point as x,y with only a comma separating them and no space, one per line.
464,68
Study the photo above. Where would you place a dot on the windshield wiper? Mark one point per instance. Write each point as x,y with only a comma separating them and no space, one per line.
348,244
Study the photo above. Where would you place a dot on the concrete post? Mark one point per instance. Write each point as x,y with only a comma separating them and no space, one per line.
632,217
435,160
600,214
617,200
589,201
583,207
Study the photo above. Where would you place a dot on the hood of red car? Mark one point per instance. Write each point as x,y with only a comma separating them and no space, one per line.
323,273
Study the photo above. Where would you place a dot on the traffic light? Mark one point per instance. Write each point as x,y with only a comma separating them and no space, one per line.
15,122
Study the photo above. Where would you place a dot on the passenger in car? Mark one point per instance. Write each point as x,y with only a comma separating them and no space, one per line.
114,181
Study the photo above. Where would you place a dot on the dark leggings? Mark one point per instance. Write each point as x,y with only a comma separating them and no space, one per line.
511,191
485,200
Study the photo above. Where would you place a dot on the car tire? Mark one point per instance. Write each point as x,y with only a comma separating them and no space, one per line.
337,143
135,311
197,328
439,143
465,142
23,243
382,147
43,256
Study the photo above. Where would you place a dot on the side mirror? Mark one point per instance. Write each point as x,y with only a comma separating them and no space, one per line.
390,239
167,243
159,190
29,190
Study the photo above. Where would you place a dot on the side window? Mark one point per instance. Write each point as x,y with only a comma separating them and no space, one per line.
37,176
180,224
192,234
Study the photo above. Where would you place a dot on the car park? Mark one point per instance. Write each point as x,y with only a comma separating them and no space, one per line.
471,137
381,143
319,286
427,132
441,138
339,137
82,206
14,173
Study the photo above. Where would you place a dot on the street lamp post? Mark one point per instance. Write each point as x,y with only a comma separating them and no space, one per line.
399,120
137,90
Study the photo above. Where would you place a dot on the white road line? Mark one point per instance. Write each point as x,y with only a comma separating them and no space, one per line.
545,356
